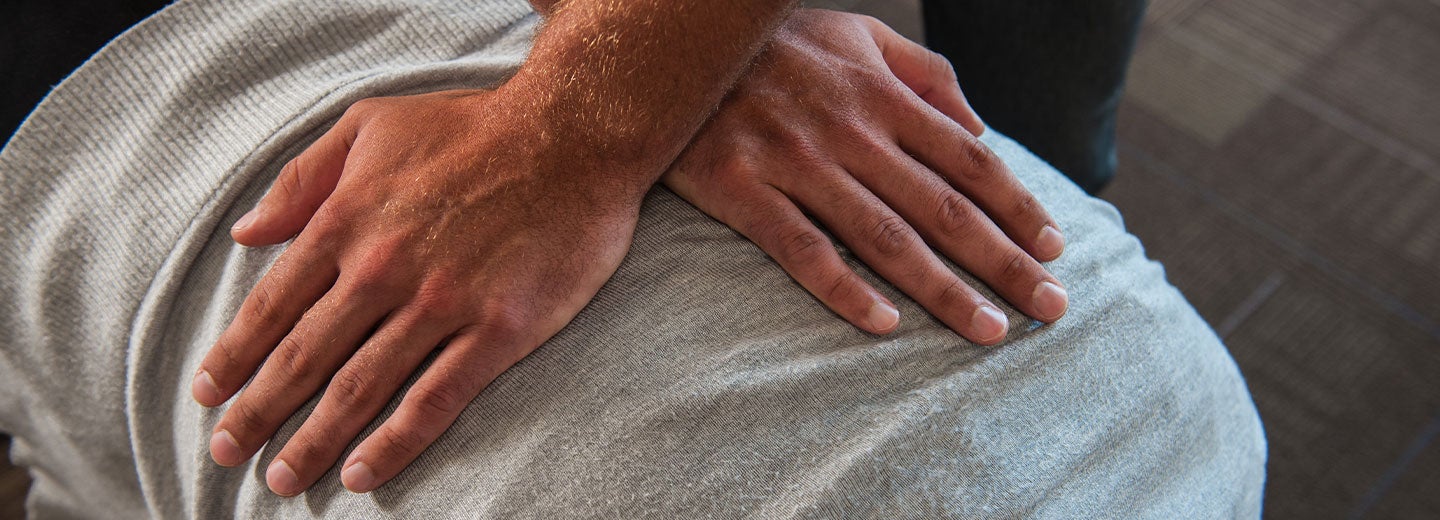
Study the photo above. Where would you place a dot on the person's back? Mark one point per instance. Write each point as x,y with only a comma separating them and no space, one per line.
700,379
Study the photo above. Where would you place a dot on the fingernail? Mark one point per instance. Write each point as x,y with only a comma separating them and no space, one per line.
282,479
883,316
246,220
1050,243
225,450
1050,301
989,324
358,478
203,389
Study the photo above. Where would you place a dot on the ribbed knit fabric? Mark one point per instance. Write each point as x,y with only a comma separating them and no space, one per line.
701,381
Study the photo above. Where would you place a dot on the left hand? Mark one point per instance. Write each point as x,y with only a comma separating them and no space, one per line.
868,132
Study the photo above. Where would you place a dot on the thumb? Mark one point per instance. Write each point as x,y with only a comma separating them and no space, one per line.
928,74
303,185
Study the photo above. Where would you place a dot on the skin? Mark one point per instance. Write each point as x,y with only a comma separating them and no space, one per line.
842,119
471,225
476,224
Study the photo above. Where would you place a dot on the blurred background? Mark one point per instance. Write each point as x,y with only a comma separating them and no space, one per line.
1282,159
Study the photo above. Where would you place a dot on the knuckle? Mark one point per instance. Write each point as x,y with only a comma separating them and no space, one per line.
376,273
313,447
800,245
981,163
243,420
954,215
881,87
352,391
940,68
436,301
805,151
954,295
862,139
227,357
732,165
400,443
768,131
291,183
501,324
890,236
330,218
292,359
264,309
1027,207
1014,267
335,208
366,281
840,288
443,400
316,443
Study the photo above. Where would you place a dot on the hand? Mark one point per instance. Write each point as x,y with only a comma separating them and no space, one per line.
441,225
480,222
868,132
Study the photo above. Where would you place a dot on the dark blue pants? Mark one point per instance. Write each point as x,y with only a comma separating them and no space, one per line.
1048,73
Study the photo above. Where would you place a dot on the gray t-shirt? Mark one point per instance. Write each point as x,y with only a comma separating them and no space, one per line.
701,381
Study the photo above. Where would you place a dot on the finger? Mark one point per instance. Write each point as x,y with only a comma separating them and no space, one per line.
466,365
302,186
297,368
297,280
927,73
973,169
357,393
774,223
892,248
950,222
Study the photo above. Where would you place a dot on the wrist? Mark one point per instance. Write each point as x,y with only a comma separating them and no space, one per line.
633,81
580,141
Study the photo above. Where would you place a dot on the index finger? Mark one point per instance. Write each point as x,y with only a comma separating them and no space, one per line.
927,74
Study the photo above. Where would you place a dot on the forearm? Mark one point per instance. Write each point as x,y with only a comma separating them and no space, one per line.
628,83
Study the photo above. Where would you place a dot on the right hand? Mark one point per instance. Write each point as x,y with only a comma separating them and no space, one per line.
845,120
428,225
